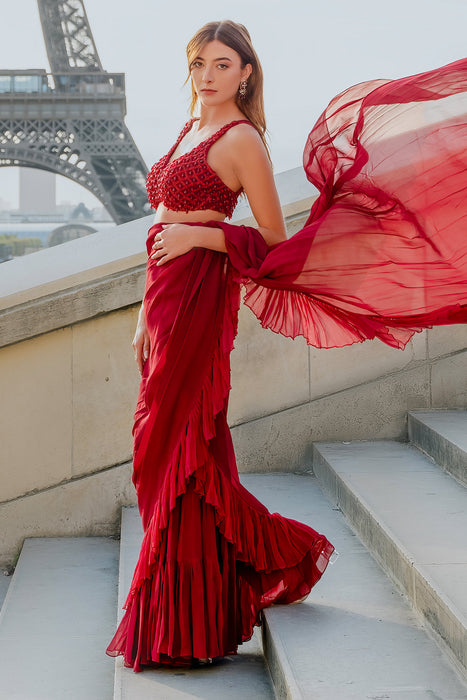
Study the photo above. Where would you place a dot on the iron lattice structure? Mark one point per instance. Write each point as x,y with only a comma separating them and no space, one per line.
68,37
71,121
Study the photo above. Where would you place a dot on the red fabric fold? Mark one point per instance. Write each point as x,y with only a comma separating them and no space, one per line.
384,250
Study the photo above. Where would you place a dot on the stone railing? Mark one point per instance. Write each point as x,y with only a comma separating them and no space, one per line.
69,382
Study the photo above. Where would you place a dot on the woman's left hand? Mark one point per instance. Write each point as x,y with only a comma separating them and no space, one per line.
174,240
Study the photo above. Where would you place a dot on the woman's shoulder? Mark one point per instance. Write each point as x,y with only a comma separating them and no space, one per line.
243,144
242,126
243,134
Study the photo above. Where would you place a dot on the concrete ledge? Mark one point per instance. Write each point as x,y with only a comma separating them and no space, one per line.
410,515
75,263
443,436
85,506
71,306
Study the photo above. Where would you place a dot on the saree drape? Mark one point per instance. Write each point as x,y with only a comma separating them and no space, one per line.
383,254
212,555
384,251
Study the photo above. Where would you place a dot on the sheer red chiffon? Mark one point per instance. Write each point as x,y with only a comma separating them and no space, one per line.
383,254
384,250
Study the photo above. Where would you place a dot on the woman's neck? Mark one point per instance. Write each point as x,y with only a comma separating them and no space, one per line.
216,117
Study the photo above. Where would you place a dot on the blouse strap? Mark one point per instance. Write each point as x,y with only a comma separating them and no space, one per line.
183,132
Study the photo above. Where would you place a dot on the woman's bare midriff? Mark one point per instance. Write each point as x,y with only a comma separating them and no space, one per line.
168,216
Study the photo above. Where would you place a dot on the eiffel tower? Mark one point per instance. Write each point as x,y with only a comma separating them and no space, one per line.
71,121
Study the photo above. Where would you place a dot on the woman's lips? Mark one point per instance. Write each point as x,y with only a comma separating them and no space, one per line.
210,92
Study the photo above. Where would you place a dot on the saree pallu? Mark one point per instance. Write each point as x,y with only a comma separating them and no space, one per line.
383,254
384,251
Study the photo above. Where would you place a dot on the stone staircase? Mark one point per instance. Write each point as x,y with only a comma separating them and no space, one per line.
388,621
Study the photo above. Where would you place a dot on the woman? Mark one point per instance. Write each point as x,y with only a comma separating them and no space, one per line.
212,556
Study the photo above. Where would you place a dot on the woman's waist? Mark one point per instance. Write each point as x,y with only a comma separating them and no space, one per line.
169,216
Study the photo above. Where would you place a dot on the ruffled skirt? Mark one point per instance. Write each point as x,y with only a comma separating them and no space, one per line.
212,555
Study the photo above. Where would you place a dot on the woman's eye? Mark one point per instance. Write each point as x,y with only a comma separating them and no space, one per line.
196,64
222,65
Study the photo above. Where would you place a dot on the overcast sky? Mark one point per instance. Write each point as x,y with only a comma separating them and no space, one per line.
309,50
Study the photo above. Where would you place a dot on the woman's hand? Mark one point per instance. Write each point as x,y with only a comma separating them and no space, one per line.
174,240
141,342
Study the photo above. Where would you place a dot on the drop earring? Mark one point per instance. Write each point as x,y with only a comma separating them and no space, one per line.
242,89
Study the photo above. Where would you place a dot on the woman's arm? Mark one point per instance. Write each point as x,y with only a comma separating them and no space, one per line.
254,172
251,168
141,342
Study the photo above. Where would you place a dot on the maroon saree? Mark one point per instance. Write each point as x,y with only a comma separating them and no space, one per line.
383,254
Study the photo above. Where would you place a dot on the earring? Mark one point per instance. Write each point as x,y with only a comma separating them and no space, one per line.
242,89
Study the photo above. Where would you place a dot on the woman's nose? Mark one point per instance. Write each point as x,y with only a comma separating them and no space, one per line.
207,75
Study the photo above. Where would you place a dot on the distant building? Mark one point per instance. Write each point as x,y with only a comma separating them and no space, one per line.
69,232
37,191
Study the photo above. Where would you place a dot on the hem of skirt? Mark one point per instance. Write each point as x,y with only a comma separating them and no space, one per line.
168,661
272,596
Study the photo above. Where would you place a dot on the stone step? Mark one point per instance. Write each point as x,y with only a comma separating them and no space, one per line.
56,621
413,518
241,676
443,436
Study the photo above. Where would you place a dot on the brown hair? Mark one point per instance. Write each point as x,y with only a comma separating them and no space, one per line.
237,37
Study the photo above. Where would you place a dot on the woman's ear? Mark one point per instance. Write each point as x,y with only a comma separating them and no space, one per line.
247,71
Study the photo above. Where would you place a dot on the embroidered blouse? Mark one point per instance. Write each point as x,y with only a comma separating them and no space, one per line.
188,183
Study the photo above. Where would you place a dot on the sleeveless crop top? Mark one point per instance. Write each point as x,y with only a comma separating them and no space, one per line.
188,183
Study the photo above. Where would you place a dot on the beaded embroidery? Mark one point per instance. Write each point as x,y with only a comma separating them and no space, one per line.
188,183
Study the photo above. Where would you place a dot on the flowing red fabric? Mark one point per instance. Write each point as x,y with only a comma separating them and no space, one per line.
212,555
384,253
384,250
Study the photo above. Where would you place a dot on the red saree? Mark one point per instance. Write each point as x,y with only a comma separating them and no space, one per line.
212,555
384,253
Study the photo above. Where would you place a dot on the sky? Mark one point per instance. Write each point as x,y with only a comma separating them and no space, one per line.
310,51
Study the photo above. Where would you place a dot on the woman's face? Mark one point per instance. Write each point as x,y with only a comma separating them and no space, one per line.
217,73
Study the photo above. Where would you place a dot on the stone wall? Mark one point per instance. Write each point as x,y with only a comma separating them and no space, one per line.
68,383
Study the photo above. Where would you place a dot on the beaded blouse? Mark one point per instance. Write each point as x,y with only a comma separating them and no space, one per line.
188,183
